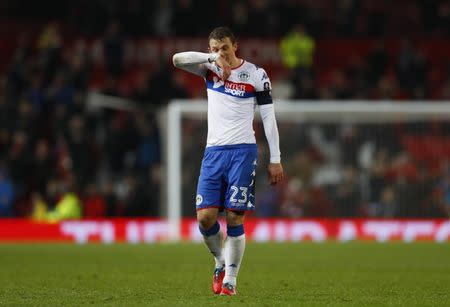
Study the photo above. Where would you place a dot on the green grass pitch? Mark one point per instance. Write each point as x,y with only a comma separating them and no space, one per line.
284,274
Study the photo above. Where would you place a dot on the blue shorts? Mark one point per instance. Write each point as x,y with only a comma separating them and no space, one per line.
227,178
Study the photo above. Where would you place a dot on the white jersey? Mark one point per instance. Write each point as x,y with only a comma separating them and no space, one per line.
232,103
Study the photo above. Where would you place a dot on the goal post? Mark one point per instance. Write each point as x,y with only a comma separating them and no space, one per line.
175,112
323,112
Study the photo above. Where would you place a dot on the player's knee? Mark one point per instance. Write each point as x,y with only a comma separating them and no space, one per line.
235,218
206,220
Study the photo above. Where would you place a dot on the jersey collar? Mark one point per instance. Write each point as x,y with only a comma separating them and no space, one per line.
242,62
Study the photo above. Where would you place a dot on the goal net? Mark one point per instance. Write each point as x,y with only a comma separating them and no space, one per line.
342,159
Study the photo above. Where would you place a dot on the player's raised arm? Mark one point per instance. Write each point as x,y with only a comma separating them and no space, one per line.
267,110
193,62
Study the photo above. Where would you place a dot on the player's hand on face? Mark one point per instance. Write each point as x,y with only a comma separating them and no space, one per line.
276,174
225,66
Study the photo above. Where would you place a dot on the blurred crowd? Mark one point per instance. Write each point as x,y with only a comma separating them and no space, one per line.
376,74
59,158
251,18
362,170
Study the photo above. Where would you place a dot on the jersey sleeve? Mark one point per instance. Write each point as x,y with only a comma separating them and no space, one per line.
263,95
194,62
263,87
214,68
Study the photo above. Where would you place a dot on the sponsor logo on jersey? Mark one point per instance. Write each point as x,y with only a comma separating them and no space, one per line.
242,90
234,89
244,76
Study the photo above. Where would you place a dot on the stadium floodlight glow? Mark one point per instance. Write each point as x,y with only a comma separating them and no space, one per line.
354,112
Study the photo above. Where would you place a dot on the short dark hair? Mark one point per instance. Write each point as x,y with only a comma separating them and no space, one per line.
221,33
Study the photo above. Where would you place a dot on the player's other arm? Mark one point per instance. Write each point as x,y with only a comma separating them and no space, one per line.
267,110
194,62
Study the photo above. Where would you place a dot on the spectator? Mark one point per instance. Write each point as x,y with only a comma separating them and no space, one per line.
50,45
114,49
411,67
163,87
60,204
43,166
262,10
19,159
443,18
297,51
110,198
78,67
35,93
162,18
345,17
121,138
147,153
295,199
16,75
68,207
305,89
183,21
240,17
39,207
377,62
386,207
60,91
444,191
155,182
94,203
7,195
348,196
137,202
81,150
142,92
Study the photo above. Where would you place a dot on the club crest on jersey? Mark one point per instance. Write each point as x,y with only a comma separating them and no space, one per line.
198,200
244,76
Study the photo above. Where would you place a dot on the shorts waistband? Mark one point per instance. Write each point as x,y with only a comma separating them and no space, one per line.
231,147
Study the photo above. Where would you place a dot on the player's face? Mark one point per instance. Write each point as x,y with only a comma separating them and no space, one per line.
224,47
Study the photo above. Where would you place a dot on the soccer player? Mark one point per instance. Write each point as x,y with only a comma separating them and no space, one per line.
227,175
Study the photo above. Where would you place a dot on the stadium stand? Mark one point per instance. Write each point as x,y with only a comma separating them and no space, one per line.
51,144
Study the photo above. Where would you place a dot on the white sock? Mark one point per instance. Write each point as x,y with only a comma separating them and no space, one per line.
234,251
215,246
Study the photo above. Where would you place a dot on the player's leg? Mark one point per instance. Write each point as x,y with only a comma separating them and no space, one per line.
213,238
239,199
210,196
212,235
233,250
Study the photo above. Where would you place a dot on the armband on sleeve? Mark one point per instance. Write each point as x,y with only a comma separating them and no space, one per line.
263,98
